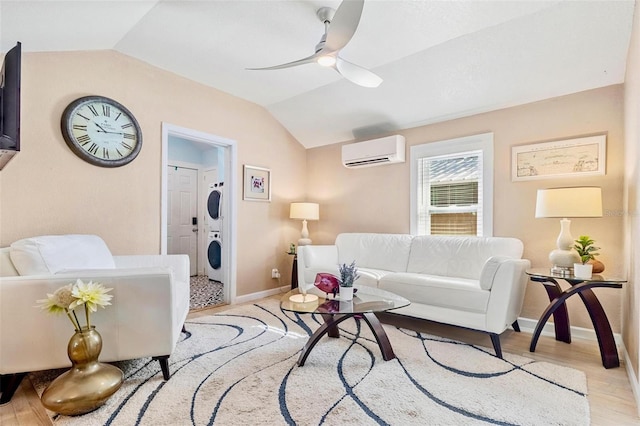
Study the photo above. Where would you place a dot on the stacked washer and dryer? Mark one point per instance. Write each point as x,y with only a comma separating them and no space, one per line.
214,240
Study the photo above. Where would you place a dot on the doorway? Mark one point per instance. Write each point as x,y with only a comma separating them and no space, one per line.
223,169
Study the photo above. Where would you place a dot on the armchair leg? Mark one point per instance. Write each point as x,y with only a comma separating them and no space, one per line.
516,326
495,339
184,328
8,385
164,365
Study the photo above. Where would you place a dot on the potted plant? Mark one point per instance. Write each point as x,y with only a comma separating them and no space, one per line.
587,251
348,275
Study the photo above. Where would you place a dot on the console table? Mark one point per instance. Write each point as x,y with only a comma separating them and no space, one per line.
557,307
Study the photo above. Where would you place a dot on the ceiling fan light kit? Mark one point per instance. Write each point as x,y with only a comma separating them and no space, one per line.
340,26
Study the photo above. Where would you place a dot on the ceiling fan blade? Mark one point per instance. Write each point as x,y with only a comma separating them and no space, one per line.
344,24
356,74
303,61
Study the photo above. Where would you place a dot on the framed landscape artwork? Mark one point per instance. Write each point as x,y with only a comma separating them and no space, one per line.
257,184
565,158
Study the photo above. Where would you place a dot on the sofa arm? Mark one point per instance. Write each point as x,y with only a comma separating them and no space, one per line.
507,294
314,258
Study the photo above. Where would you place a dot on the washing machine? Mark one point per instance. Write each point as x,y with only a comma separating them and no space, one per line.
214,256
214,206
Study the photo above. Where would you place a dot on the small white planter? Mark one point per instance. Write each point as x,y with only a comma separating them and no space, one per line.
582,271
346,293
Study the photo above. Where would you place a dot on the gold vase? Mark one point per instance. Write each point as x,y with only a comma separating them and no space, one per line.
89,383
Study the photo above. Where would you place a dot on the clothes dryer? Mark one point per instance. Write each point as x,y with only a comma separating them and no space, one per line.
214,206
214,256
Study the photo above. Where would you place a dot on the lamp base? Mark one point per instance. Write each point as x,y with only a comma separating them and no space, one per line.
561,271
304,242
564,258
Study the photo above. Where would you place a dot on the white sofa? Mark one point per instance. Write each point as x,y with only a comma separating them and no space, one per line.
470,282
149,306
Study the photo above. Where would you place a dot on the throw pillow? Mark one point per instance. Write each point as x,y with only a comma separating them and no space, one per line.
50,254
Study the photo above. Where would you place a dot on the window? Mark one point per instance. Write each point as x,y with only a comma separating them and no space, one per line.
452,187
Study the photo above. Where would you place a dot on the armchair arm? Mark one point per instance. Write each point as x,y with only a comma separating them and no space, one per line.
507,294
145,317
178,263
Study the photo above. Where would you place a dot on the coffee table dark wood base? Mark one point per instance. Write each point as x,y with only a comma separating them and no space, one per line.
330,328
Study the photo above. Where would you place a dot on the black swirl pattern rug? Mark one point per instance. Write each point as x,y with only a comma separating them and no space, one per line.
239,368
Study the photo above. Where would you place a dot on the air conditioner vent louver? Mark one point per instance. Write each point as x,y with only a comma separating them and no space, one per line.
376,152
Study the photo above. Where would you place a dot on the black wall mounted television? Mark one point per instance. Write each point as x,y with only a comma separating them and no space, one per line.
10,105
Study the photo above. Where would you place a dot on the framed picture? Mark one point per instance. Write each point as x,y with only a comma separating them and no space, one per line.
257,184
565,158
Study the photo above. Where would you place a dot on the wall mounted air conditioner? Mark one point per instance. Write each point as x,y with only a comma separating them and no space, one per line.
374,152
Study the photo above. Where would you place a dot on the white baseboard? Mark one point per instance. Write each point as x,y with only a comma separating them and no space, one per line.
528,325
633,379
260,295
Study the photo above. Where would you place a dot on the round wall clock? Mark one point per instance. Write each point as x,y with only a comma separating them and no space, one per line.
101,131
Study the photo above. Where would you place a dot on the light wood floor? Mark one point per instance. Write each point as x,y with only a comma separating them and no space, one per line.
610,394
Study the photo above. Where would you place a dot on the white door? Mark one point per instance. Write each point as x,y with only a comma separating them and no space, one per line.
182,233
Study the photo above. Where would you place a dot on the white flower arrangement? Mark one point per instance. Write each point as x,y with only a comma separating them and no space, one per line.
67,298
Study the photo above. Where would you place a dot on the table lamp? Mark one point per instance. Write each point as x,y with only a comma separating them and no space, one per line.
304,211
565,203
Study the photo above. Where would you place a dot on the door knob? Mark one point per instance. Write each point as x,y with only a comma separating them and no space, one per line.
195,229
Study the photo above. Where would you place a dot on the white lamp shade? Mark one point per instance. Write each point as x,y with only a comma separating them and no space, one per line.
569,202
308,211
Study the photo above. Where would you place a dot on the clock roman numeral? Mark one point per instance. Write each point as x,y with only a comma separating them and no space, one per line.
106,110
86,118
84,139
118,116
93,149
119,153
105,153
128,136
129,147
126,126
93,110
80,127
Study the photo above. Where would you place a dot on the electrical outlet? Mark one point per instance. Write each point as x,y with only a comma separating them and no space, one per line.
275,273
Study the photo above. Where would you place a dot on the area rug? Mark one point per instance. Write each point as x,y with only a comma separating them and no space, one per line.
204,293
239,368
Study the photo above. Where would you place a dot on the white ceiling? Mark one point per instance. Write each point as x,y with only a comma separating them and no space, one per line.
439,59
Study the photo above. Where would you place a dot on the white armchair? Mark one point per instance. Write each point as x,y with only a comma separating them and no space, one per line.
149,307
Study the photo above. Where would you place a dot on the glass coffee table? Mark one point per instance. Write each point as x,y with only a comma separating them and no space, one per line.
367,301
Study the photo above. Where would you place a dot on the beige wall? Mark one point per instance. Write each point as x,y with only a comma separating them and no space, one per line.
46,189
376,199
631,298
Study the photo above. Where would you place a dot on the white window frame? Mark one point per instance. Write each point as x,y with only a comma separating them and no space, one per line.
482,142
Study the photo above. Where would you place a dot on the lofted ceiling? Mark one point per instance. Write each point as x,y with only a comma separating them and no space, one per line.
439,59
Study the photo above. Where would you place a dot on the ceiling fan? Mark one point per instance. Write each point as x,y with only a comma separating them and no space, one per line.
339,27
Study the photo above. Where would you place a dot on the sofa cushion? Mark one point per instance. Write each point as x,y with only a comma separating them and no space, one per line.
387,252
462,257
50,254
455,293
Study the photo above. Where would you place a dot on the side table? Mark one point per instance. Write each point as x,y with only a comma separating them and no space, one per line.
294,270
558,308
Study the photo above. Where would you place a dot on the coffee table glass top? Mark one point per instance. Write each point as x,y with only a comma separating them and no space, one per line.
365,299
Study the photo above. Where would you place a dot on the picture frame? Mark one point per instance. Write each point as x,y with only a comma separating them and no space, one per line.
578,157
257,184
